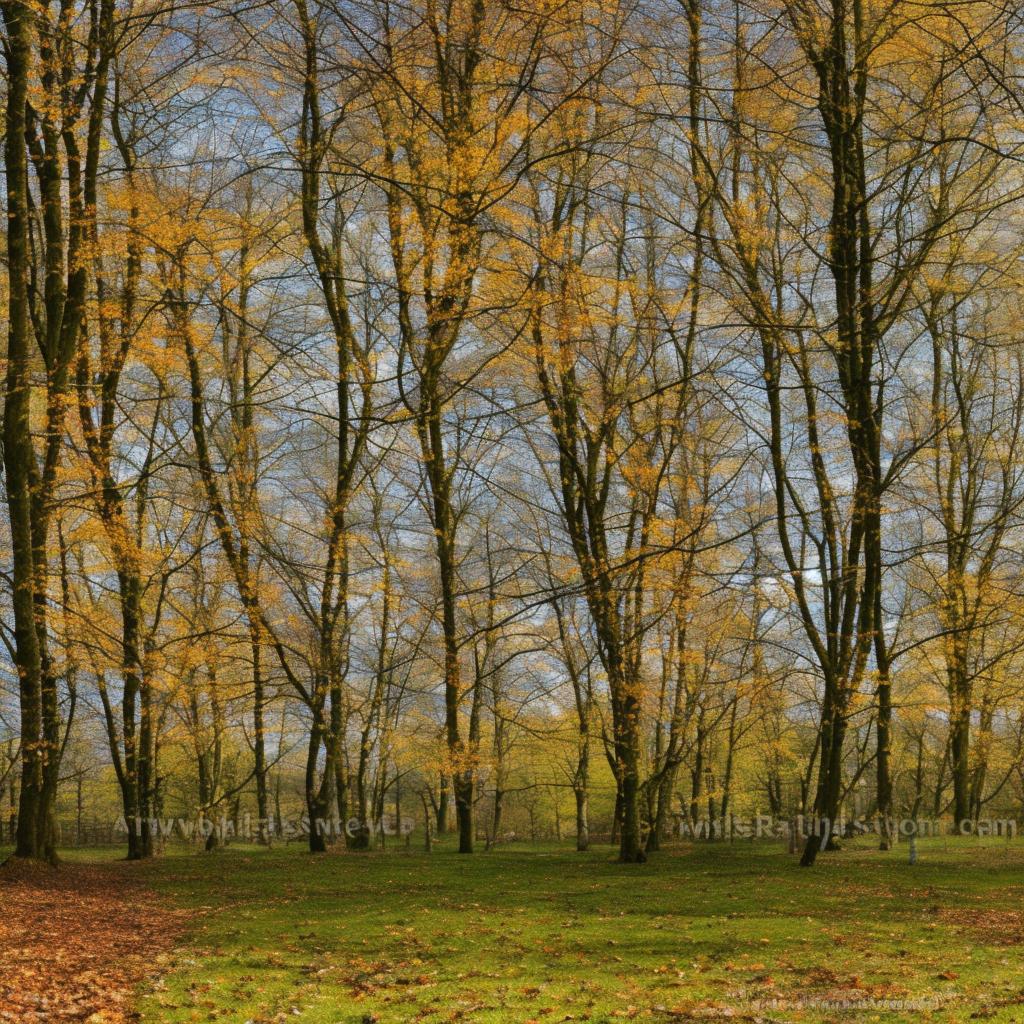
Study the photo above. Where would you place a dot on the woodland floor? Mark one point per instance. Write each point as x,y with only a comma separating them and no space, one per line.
524,934
76,942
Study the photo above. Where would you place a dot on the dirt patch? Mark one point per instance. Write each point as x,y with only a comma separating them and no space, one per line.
77,940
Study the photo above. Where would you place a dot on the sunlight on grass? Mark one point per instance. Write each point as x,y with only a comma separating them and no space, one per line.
544,934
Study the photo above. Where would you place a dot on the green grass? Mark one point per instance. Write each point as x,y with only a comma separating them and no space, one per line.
78,855
546,934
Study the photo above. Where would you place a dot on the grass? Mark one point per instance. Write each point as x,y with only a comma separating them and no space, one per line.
545,934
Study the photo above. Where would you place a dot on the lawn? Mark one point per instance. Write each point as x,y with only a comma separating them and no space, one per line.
545,934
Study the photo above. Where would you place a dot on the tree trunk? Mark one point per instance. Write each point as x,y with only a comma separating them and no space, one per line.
627,756
19,455
443,799
829,790
959,761
259,736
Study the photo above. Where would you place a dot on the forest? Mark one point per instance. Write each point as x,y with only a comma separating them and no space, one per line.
596,420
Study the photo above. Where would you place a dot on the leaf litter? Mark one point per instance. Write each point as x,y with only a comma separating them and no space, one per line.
77,940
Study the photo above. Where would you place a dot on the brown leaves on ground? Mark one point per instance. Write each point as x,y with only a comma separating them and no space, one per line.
76,940
998,927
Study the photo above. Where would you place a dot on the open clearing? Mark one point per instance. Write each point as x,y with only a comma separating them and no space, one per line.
523,934
534,934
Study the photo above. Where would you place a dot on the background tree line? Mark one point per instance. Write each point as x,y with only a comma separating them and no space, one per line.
438,406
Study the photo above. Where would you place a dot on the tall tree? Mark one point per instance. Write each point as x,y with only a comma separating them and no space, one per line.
58,74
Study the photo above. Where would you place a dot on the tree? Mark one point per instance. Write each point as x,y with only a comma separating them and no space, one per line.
57,89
